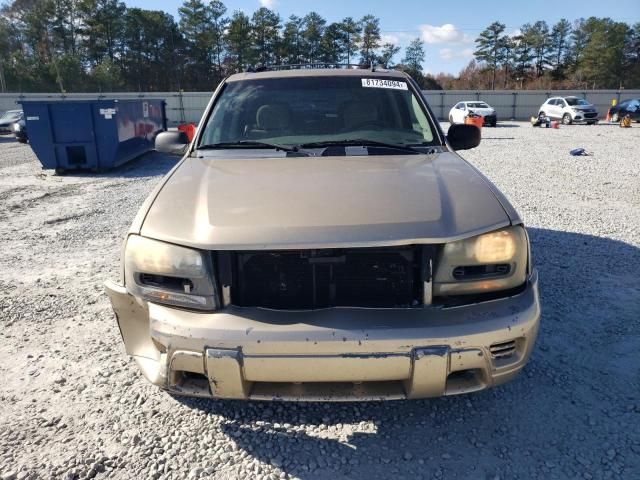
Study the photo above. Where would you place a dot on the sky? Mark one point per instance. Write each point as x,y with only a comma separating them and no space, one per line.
448,32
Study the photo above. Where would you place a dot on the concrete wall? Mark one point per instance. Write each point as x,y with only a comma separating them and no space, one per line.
509,104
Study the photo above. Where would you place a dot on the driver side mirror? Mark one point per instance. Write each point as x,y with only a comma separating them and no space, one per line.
463,137
172,143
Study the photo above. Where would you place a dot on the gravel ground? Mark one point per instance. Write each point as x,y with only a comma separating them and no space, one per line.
74,406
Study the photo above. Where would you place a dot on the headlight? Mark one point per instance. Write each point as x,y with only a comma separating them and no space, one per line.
489,262
16,127
165,273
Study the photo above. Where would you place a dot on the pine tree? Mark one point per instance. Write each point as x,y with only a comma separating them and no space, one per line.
490,43
238,41
265,35
370,39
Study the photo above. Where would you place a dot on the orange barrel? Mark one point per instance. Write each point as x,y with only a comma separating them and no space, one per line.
189,129
477,121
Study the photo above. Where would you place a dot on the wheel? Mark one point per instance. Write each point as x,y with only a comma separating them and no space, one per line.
615,118
22,140
493,124
566,119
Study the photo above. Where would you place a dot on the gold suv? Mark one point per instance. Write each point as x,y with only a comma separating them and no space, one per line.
322,240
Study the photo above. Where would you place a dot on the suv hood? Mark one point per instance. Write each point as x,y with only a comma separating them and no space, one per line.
314,202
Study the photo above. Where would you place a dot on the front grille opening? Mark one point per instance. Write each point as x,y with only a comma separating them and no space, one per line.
503,350
464,381
473,272
191,383
309,279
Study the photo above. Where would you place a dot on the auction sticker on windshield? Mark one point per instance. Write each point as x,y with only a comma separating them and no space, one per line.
381,83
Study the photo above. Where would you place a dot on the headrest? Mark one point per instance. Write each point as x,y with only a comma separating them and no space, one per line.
274,116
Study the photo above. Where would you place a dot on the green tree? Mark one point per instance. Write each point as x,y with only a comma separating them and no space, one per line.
414,57
240,53
602,62
370,40
218,24
332,45
539,39
101,29
560,34
291,44
490,48
312,32
389,50
352,31
265,35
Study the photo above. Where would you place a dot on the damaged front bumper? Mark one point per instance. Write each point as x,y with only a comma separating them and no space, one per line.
332,354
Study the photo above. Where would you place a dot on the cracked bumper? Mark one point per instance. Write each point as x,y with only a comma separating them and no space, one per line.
332,354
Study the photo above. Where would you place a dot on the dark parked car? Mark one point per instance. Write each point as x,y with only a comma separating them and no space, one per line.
8,119
629,107
20,131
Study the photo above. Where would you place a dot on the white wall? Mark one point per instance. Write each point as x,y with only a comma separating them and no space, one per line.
509,104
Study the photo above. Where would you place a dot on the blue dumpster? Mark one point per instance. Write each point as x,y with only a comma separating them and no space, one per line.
94,134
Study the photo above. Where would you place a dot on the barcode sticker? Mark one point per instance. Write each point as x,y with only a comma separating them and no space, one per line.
382,83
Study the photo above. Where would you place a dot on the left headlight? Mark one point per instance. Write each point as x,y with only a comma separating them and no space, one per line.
486,263
170,274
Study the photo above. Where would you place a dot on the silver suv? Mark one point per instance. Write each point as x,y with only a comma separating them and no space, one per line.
569,110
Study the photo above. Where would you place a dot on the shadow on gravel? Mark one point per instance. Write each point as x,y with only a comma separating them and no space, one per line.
579,390
148,165
8,139
507,125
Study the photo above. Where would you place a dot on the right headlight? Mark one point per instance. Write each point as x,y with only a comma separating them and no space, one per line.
169,274
486,263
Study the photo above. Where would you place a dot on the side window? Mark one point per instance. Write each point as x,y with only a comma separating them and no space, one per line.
562,102
463,106
551,101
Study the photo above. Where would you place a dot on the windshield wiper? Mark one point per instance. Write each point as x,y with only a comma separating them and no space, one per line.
253,143
360,142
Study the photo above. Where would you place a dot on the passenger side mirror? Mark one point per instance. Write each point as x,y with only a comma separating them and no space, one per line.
172,143
463,137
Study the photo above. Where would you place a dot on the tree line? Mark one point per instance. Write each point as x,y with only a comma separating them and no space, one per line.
103,45
584,54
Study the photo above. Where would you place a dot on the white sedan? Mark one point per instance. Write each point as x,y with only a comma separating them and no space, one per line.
461,109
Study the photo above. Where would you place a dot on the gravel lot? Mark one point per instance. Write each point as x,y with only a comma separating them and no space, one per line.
74,406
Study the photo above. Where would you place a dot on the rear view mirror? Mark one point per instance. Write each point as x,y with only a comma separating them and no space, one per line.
172,143
463,137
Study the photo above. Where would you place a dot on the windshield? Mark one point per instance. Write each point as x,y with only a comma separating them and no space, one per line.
307,110
477,105
11,115
576,101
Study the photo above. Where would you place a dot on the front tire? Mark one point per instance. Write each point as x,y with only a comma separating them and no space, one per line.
566,119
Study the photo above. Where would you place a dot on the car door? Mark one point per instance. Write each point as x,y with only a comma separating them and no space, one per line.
455,113
562,107
552,108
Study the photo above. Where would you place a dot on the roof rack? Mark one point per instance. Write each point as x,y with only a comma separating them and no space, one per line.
302,66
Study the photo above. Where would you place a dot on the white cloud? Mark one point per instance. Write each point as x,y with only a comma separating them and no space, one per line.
446,33
268,3
389,38
450,54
